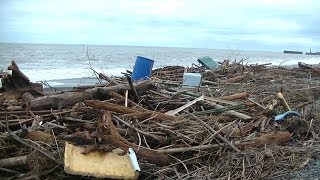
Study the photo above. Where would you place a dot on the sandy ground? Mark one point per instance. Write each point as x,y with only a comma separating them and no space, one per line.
311,171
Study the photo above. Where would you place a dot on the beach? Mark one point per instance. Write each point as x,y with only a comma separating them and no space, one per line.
161,89
228,126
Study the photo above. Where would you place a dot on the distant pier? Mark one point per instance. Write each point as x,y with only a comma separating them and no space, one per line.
293,52
312,53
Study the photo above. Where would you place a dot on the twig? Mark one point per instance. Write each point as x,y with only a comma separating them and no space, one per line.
221,129
173,112
310,141
230,112
139,141
197,148
218,110
55,140
186,160
310,126
35,112
234,113
15,137
243,170
9,170
126,100
76,120
145,141
214,131
135,93
2,125
55,125
136,129
88,58
257,103
186,149
181,163
281,63
54,114
148,119
219,100
177,173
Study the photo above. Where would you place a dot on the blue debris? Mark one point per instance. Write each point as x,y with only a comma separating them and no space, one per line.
281,117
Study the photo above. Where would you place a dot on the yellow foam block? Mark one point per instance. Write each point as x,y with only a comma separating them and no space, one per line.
100,165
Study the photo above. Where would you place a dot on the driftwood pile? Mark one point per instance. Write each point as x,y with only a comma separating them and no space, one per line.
223,129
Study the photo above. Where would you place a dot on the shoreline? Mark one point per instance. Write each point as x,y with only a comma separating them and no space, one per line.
238,104
69,83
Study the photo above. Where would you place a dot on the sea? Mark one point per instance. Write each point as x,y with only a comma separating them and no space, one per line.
60,65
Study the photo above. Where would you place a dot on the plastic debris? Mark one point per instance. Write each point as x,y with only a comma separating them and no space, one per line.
207,62
142,68
100,165
134,160
191,79
281,117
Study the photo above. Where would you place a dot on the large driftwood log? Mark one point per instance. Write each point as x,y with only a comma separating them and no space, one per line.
59,101
308,67
110,106
18,82
131,112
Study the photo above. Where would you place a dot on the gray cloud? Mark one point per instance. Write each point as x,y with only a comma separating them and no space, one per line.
247,24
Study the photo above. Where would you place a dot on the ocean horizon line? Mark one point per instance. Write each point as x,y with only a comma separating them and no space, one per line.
151,46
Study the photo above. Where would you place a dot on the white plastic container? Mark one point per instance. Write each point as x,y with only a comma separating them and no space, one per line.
191,79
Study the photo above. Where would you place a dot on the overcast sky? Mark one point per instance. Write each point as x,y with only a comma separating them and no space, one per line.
224,24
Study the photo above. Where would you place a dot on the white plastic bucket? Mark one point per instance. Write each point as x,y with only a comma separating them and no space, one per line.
191,79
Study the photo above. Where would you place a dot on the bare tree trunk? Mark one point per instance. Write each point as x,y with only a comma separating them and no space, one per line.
18,82
70,98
